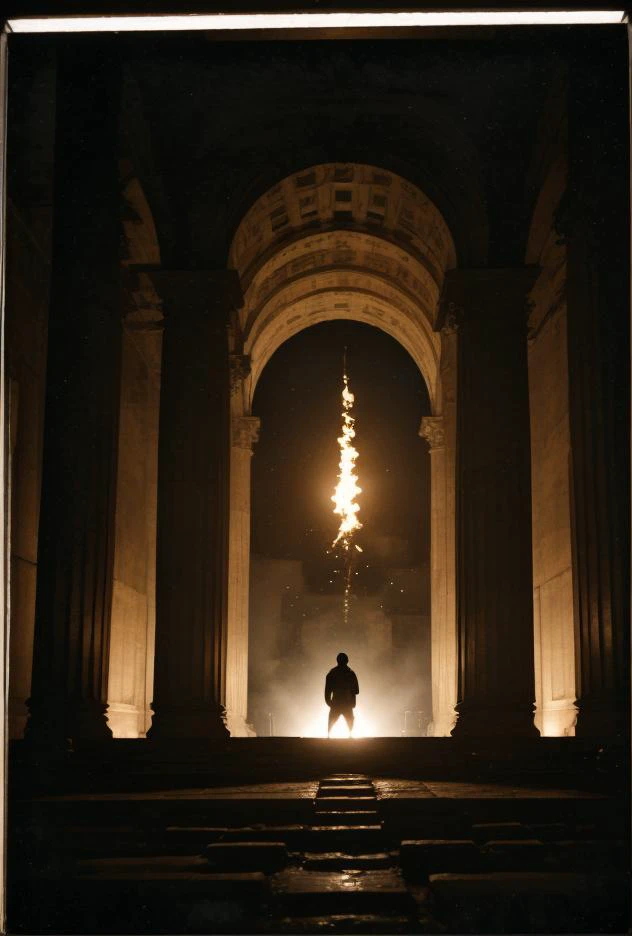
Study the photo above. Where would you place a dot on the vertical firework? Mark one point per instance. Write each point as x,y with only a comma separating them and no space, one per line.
347,489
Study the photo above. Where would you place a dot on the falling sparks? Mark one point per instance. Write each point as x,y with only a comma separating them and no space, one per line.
347,489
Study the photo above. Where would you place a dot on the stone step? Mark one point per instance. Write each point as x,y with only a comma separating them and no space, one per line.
551,831
198,837
601,814
420,857
246,856
346,802
145,867
306,893
532,902
150,812
345,923
518,855
348,779
584,855
91,841
340,861
419,827
592,832
495,831
347,789
345,817
356,839
136,900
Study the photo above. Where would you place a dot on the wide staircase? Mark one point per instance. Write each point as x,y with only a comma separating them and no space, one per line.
345,853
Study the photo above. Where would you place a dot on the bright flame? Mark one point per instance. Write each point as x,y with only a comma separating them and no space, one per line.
347,488
317,727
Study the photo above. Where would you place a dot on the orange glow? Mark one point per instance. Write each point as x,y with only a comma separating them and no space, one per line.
347,489
317,726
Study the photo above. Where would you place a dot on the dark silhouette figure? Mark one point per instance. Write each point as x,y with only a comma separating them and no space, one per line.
341,689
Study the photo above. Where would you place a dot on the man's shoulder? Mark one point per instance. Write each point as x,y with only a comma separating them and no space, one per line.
332,672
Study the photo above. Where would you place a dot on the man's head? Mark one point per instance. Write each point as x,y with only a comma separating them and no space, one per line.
342,659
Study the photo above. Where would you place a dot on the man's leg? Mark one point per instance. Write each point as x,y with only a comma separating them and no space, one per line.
334,715
348,714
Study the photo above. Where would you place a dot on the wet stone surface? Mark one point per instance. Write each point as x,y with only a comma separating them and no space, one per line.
357,890
338,861
346,789
309,858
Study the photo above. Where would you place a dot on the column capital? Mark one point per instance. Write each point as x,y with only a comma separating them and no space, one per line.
431,429
192,293
239,369
485,293
245,432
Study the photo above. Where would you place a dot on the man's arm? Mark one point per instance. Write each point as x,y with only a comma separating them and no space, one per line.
355,687
328,691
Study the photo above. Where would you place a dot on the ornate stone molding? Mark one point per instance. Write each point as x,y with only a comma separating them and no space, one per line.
239,370
432,430
245,432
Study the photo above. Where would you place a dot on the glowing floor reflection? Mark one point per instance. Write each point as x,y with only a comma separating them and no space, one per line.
317,726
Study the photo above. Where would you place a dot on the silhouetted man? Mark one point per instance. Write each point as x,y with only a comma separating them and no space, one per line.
341,689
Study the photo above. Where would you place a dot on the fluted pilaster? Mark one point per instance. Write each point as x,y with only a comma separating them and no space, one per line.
594,221
192,541
75,550
442,624
494,565
244,435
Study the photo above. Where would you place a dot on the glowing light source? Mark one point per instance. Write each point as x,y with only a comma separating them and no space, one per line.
347,489
317,726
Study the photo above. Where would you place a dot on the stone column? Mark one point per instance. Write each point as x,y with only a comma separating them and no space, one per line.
494,564
192,538
75,547
442,624
244,432
594,219
133,594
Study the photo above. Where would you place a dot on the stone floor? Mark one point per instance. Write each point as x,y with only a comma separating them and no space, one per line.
344,853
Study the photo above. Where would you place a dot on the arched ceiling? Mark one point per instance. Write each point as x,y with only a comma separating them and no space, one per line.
361,300
342,240
343,194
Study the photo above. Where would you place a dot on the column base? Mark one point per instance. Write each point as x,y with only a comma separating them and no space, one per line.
442,724
494,721
175,723
557,720
62,725
238,726
127,721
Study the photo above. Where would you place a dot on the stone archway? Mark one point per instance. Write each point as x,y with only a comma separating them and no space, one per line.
350,241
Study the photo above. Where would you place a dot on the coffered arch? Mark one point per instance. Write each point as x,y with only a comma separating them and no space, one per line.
342,240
